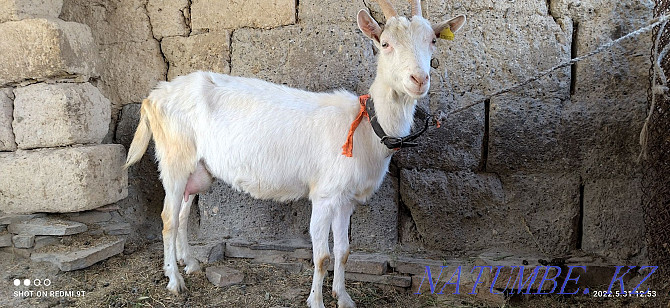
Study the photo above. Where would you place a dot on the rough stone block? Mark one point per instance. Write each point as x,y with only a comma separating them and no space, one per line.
117,228
5,240
7,141
272,252
455,211
614,219
329,11
68,179
209,252
225,212
374,225
133,62
90,217
23,240
51,115
169,18
44,241
541,213
336,57
222,276
392,280
39,49
47,226
21,9
12,219
414,266
374,264
449,208
206,52
456,145
74,259
530,134
230,14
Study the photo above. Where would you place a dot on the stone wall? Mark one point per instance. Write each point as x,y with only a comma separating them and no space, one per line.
548,168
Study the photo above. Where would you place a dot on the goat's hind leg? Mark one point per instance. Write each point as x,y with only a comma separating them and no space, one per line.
198,181
174,188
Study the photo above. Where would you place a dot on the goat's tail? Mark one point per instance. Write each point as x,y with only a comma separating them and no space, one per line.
142,137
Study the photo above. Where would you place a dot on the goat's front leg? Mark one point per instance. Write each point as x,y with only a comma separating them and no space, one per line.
319,229
340,225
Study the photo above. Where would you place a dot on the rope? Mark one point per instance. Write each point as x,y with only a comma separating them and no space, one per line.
653,23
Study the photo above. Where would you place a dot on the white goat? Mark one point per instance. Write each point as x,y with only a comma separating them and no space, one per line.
276,142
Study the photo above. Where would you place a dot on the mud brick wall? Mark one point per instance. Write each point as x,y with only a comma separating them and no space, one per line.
548,168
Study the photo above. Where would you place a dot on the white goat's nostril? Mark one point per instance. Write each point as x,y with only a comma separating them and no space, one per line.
420,79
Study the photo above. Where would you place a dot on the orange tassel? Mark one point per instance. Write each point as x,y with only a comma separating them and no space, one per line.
348,146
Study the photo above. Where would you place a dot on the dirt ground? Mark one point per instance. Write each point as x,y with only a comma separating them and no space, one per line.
135,279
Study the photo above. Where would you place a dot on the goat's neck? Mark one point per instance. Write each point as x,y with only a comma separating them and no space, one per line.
395,110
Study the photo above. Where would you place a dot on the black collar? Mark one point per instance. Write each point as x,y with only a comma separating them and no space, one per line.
394,143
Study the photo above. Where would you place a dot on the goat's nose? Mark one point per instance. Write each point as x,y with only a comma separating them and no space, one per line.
420,79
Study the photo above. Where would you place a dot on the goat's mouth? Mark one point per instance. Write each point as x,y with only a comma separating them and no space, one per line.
417,93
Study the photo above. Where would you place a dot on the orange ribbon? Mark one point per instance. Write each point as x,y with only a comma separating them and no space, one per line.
348,146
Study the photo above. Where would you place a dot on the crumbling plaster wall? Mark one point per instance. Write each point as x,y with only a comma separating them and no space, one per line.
550,167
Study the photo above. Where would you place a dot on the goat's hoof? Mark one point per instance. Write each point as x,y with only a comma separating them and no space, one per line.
176,286
345,301
192,268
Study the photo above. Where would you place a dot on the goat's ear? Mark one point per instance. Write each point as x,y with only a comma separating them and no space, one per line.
368,25
453,24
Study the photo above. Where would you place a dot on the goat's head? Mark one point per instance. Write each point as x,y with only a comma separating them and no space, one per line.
406,46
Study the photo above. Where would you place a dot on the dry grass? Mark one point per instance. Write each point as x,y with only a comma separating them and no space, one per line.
135,279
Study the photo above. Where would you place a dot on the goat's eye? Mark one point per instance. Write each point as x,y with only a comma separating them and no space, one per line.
434,40
385,44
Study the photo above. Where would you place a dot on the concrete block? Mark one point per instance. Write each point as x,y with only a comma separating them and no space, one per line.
74,259
613,219
5,240
68,179
171,18
7,141
23,240
336,57
21,9
206,52
230,14
47,226
39,49
222,276
50,115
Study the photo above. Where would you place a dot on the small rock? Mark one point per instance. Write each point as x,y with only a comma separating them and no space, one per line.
121,228
222,276
43,241
23,240
78,259
12,219
5,240
47,226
